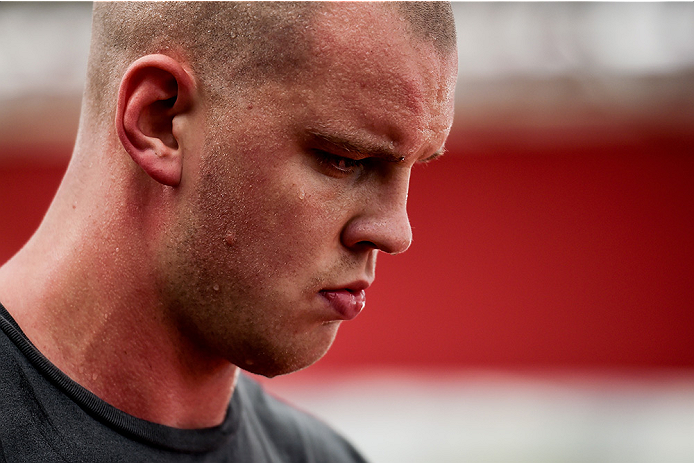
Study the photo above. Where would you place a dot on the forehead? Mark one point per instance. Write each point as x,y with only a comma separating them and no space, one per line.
383,80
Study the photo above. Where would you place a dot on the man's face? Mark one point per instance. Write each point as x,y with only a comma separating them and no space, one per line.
298,187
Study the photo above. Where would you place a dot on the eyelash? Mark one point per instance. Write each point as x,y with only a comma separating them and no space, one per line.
339,164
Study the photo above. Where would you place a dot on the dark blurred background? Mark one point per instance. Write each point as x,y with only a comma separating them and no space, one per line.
553,254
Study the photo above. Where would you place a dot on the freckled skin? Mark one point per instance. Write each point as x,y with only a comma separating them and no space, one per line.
264,226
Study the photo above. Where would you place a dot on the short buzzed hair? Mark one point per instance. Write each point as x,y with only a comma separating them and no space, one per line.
430,22
252,39
227,44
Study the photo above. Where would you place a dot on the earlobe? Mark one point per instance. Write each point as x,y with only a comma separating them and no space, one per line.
154,90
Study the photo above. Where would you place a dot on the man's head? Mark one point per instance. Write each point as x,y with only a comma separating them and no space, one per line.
273,144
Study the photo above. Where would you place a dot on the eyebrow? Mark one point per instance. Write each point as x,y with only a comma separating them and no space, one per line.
367,148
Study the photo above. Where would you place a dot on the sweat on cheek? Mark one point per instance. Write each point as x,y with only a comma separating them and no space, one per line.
230,238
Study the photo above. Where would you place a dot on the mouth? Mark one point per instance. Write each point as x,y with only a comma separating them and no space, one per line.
347,302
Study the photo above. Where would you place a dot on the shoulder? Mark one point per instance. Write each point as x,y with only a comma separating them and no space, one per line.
296,435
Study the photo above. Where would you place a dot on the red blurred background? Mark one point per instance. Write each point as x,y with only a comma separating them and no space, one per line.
523,255
545,311
558,231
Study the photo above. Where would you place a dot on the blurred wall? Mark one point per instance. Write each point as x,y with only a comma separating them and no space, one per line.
558,230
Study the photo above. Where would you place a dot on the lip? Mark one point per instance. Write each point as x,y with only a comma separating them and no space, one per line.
348,304
348,301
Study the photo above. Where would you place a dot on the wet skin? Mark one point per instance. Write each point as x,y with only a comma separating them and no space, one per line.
290,191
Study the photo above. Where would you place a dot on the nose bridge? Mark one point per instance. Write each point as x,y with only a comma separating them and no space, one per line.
398,218
382,221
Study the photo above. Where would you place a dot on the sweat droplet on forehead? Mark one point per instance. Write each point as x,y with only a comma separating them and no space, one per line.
403,97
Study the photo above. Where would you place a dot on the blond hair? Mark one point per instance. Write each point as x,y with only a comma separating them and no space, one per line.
227,44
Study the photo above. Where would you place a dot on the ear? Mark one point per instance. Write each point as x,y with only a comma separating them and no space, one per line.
154,90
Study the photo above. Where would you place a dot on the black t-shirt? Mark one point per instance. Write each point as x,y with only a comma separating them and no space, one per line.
46,417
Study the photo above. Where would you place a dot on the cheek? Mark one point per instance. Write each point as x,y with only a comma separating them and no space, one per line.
266,224
267,211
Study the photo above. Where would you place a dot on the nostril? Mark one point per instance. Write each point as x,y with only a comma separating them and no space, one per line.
365,246
382,225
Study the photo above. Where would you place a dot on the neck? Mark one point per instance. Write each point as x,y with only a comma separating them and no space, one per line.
89,303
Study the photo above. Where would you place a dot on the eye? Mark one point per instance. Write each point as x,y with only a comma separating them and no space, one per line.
339,166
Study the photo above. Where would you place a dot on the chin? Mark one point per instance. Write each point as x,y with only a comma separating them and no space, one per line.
276,367
282,360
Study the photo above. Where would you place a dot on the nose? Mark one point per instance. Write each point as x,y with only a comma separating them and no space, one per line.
382,222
